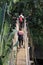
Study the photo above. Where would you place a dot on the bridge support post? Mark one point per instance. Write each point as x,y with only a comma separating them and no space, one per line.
28,56
29,61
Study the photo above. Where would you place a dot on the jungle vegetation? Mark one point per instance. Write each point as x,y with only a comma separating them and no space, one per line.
33,10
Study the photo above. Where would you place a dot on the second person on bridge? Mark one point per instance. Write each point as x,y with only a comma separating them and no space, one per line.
21,20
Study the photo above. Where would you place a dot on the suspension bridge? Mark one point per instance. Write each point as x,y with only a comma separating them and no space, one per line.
20,56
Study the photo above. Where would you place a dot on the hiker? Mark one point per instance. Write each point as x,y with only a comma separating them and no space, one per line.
20,37
21,20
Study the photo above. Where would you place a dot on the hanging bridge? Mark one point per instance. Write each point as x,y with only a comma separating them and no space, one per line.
20,56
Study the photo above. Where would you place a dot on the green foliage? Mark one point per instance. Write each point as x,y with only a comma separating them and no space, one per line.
0,18
6,43
35,8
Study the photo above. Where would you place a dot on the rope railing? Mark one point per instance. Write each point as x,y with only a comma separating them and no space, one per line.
13,54
27,48
26,42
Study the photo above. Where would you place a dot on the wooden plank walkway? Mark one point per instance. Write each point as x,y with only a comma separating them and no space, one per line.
21,57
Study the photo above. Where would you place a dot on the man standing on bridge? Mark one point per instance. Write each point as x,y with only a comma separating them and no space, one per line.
20,37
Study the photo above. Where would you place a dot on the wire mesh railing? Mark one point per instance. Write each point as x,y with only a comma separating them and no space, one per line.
27,48
13,54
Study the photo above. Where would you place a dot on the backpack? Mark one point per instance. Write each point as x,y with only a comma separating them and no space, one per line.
20,19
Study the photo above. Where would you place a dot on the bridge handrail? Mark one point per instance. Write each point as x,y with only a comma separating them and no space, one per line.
26,41
13,55
27,48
